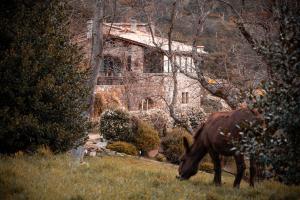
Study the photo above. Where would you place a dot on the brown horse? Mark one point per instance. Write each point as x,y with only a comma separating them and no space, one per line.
214,137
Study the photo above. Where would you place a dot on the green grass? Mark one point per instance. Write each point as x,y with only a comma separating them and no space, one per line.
58,177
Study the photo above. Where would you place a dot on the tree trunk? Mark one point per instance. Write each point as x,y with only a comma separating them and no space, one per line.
97,51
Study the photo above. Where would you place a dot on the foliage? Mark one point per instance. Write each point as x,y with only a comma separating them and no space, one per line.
123,147
116,125
106,100
44,151
33,177
43,93
206,166
277,142
172,144
157,118
160,157
196,117
193,117
146,138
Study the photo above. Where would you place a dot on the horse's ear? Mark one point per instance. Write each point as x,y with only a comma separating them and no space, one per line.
186,144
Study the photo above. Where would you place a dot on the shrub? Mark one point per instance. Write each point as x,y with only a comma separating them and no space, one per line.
106,100
160,157
146,138
206,166
172,144
196,117
44,151
192,117
157,118
123,147
116,125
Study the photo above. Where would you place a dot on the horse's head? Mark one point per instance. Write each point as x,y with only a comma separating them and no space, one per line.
188,163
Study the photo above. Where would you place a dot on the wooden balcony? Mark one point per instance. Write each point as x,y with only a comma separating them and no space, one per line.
110,80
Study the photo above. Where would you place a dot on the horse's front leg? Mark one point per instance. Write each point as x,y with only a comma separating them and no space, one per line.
217,167
240,166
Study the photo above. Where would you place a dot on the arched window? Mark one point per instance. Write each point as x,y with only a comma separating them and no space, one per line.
146,104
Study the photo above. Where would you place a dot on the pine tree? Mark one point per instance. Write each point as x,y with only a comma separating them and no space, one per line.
43,92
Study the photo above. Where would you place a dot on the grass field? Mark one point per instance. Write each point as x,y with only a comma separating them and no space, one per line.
59,177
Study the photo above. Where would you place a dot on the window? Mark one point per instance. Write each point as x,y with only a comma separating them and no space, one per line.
146,104
112,66
129,64
186,64
185,98
153,61
167,64
180,61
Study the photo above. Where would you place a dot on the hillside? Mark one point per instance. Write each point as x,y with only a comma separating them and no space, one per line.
58,177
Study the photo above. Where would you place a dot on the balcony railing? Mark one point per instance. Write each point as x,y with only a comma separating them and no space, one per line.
110,80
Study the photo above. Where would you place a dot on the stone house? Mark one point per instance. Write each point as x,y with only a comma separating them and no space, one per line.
138,70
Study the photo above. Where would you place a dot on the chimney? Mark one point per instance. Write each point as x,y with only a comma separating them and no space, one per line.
89,32
133,25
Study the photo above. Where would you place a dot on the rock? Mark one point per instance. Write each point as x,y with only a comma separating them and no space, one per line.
212,104
78,153
152,153
93,153
101,144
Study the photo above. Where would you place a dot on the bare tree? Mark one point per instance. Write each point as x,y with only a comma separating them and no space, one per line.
171,54
97,51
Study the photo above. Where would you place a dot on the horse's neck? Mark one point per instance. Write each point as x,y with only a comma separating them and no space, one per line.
198,152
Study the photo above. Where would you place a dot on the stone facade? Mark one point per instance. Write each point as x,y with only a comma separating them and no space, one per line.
126,68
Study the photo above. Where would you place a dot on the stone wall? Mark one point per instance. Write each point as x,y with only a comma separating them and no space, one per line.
136,87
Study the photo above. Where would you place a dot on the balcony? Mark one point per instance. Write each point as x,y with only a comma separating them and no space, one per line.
110,80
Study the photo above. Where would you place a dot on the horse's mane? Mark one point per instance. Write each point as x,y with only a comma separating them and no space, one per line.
198,131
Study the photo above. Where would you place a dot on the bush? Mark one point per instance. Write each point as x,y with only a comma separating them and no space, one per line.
160,157
192,117
172,144
157,118
206,166
146,138
195,117
123,147
106,100
44,151
116,125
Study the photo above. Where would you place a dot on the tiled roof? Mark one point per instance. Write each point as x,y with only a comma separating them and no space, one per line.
146,39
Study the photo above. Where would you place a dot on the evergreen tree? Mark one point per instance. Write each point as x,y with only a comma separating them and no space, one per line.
43,92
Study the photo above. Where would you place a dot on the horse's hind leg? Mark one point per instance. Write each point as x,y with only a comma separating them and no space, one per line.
217,167
252,170
240,166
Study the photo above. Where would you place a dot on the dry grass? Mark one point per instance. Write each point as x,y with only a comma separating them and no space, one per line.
58,177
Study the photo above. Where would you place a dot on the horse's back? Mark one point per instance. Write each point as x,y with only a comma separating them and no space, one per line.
221,127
